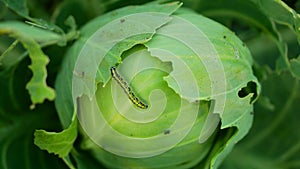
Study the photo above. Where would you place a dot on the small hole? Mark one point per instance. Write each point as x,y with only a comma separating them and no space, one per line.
250,88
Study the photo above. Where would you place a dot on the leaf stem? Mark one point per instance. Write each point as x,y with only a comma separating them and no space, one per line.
10,48
68,162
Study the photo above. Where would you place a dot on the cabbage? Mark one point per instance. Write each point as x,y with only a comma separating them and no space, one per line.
193,74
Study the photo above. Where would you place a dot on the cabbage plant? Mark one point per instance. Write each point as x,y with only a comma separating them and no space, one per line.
154,85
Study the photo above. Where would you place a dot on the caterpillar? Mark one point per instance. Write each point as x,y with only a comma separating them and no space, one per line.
136,101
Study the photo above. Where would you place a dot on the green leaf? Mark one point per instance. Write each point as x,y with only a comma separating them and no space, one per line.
86,161
17,122
242,122
17,30
244,10
273,141
37,87
5,59
249,13
29,36
295,67
16,129
265,15
235,61
20,28
280,12
122,25
58,143
18,6
64,102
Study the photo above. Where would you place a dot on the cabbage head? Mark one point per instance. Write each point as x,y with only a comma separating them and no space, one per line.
156,86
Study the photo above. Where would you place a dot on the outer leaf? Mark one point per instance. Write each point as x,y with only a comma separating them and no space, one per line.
37,87
7,57
64,102
260,13
281,13
17,123
249,12
19,6
57,143
236,63
243,124
86,161
17,149
295,67
17,29
127,31
244,10
273,142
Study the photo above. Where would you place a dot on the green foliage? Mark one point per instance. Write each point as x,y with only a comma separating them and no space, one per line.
34,36
295,67
271,142
57,143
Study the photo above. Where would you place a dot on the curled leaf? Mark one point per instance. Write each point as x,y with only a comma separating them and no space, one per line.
58,143
37,87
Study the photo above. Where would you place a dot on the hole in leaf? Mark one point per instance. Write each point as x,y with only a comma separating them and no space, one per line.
250,88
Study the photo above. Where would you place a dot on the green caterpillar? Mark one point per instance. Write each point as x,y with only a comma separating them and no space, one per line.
136,101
